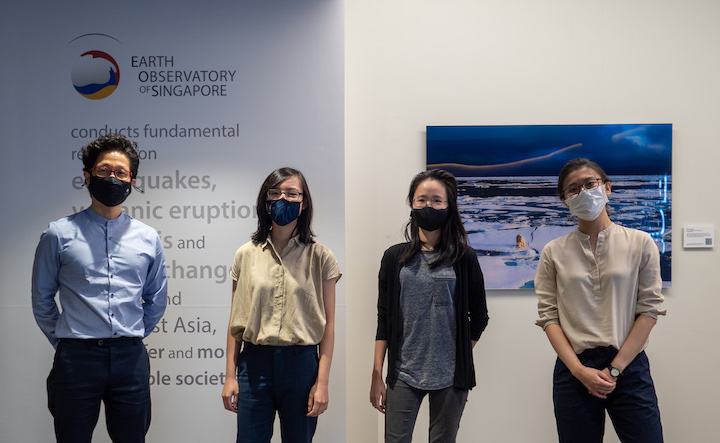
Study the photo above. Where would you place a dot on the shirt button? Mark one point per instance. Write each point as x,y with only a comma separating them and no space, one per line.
112,315
112,295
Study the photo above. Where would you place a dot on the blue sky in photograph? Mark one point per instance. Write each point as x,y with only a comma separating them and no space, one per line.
537,150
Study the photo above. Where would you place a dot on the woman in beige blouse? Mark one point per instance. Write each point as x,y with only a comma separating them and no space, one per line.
282,323
599,297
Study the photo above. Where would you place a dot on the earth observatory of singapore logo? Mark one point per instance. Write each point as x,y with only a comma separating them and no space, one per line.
95,75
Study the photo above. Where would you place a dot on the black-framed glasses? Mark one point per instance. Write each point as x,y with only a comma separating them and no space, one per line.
120,174
291,195
435,203
574,190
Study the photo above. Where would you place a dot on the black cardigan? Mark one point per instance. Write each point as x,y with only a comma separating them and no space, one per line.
470,312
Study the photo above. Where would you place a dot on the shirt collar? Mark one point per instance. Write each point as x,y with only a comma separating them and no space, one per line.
268,241
94,216
99,219
602,233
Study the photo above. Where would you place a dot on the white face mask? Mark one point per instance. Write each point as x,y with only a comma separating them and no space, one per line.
588,204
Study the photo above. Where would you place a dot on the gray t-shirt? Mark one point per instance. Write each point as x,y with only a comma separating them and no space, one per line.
427,314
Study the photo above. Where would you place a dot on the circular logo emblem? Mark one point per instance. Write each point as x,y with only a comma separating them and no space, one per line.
95,75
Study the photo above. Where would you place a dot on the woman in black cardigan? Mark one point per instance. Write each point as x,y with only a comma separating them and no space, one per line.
431,312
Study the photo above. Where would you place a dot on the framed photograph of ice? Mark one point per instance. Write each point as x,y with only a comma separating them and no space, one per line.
507,177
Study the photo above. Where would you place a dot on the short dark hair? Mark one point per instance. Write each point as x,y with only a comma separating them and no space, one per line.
574,165
453,239
111,142
303,227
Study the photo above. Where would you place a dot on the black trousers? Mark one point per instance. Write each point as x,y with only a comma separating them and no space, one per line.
86,372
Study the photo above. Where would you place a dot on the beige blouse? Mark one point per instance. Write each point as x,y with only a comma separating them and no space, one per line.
279,300
596,297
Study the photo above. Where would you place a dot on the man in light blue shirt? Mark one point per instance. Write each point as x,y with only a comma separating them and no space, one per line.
109,271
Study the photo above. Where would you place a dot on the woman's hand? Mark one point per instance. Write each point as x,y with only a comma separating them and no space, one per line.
598,383
318,400
377,394
230,394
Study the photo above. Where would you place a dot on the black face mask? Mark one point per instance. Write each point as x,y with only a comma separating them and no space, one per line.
429,218
109,190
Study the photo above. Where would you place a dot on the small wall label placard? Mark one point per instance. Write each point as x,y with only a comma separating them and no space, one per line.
699,237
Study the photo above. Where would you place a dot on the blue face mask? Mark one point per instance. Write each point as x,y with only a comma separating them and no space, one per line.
284,212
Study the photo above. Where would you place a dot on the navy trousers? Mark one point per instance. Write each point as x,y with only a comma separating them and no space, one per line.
276,378
86,372
632,406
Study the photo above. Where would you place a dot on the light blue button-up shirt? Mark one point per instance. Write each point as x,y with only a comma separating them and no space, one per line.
110,274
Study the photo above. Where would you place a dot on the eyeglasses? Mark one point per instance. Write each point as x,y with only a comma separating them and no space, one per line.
574,190
104,171
435,203
292,196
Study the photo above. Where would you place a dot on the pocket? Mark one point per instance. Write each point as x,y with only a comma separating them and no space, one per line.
443,290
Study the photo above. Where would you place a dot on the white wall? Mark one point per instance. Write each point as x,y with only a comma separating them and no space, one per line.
412,63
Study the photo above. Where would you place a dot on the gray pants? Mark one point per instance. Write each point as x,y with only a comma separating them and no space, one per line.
403,404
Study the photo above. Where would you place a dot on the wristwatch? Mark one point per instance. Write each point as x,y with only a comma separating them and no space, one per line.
615,372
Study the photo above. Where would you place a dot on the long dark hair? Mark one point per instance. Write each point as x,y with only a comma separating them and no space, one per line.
453,238
303,227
